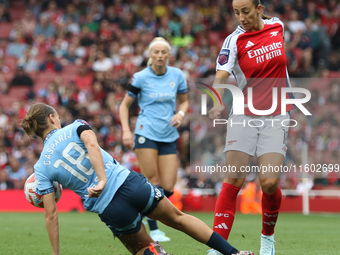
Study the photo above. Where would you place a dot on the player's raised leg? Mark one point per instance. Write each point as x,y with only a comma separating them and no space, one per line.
271,201
168,214
148,163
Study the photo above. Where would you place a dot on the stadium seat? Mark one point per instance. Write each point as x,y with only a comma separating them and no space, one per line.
17,3
8,76
113,27
11,62
16,12
334,74
214,37
5,29
43,79
15,94
67,76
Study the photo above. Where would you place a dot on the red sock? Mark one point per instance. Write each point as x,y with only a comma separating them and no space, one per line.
270,211
225,210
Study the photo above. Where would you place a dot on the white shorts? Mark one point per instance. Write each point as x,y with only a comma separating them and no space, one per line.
258,134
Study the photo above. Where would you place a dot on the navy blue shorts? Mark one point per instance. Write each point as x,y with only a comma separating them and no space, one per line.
163,148
134,199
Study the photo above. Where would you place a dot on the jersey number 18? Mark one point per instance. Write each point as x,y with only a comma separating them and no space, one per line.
78,161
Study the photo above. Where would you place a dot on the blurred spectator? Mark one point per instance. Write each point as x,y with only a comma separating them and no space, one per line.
159,10
34,6
45,27
180,8
129,23
98,92
333,63
121,8
206,9
60,48
146,24
91,24
104,31
80,50
103,63
3,84
175,25
95,6
3,124
334,95
28,61
17,28
28,22
50,64
70,57
71,13
5,183
72,27
111,15
85,36
303,51
216,22
311,12
21,78
53,13
294,25
16,173
79,6
4,15
163,29
83,79
17,47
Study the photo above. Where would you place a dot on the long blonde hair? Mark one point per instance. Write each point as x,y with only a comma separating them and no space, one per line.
158,40
35,121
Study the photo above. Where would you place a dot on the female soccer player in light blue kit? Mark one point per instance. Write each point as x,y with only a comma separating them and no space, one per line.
72,157
157,87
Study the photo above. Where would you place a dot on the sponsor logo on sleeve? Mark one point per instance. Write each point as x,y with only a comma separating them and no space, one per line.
223,57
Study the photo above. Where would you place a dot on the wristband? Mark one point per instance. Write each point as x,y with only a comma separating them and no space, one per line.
181,113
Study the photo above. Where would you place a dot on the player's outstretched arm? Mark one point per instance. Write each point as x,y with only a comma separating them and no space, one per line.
51,221
90,141
127,138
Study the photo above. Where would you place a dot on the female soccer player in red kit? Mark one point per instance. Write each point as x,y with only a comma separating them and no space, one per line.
254,54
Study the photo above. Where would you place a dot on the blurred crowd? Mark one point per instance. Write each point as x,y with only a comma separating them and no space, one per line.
79,56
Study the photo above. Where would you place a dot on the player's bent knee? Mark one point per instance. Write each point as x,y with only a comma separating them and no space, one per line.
269,186
238,182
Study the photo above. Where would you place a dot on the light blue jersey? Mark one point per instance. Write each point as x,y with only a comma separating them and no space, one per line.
157,102
64,159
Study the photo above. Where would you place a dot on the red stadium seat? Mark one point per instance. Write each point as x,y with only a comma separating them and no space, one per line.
16,12
8,76
43,79
11,62
214,37
5,29
334,74
15,94
17,3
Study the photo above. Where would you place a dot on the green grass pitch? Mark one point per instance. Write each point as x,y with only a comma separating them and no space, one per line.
84,233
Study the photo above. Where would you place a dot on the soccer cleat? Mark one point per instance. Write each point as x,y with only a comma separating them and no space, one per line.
156,249
159,236
244,253
267,245
213,252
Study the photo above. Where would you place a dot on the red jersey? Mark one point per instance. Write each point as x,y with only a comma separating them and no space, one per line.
257,60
